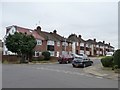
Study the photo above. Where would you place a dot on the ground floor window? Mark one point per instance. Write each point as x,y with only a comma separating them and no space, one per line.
37,53
52,53
58,53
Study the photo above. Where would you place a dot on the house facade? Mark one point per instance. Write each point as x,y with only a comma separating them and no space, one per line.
57,44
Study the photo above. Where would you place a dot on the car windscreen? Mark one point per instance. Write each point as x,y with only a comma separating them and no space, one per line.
80,54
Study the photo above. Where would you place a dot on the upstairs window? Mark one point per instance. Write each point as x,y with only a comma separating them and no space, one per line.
82,44
64,44
39,42
77,43
58,43
50,43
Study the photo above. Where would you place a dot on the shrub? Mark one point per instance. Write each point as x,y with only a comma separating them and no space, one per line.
107,61
46,55
117,58
40,58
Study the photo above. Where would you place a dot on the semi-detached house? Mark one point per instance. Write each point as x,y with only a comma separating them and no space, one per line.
52,42
57,44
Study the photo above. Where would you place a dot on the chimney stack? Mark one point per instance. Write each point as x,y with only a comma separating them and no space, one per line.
55,31
38,28
103,42
94,39
80,36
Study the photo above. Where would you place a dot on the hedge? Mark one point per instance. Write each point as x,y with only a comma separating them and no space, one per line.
117,58
107,61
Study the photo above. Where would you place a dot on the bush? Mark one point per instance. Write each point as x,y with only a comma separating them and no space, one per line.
117,58
46,54
40,58
107,61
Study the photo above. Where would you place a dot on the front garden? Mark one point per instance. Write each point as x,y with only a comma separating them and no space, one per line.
112,62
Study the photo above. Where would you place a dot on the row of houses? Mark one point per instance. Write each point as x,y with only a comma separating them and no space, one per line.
57,44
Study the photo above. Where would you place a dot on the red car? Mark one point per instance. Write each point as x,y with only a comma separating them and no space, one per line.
66,58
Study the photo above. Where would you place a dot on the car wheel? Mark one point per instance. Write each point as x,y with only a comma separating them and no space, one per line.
73,65
91,63
84,65
60,62
66,62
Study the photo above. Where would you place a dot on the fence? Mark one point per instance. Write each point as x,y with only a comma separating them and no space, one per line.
10,58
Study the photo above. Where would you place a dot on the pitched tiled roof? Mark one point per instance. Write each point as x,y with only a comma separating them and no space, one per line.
73,37
90,41
111,47
29,32
100,43
81,40
60,38
49,36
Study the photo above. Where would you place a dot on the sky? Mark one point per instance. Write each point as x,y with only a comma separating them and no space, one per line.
90,19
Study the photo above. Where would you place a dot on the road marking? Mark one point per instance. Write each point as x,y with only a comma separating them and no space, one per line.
66,72
89,75
100,77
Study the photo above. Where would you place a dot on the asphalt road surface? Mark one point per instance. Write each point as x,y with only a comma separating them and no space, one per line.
51,76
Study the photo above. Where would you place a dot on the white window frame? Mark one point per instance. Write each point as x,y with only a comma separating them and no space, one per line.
77,43
97,45
82,44
36,52
86,45
70,44
58,43
50,42
63,43
52,53
39,42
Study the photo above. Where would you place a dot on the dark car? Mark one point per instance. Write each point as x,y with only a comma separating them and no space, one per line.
65,58
81,62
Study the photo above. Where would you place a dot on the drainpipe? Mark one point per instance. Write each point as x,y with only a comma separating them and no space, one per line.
65,44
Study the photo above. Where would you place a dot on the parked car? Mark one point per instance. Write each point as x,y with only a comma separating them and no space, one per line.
82,55
109,53
81,62
65,58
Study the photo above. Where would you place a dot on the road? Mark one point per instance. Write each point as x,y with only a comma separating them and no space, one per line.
51,76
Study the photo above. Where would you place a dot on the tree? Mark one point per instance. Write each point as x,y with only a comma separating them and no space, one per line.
117,58
21,43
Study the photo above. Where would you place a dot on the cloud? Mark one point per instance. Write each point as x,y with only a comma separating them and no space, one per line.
90,19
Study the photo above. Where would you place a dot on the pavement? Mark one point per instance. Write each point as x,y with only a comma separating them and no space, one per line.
99,70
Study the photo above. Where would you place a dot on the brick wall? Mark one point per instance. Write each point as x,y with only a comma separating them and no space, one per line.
42,47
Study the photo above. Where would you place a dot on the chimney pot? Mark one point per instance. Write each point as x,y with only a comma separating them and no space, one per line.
94,40
103,42
79,36
38,28
55,31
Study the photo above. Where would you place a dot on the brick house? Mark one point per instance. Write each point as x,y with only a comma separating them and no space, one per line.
91,47
52,42
75,43
82,45
57,45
